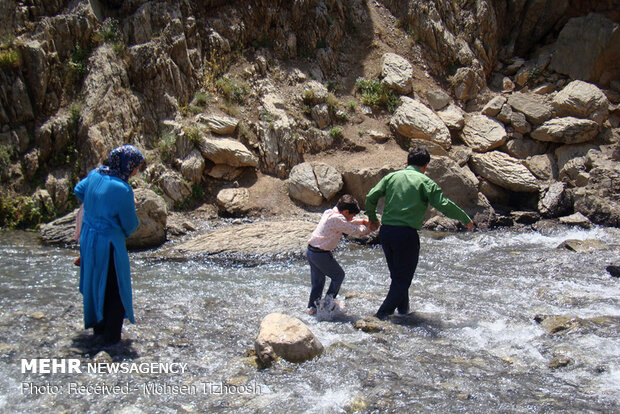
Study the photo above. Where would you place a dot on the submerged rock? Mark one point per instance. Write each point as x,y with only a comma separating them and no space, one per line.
583,246
369,324
285,337
614,271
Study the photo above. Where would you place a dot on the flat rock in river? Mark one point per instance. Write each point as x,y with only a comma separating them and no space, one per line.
246,243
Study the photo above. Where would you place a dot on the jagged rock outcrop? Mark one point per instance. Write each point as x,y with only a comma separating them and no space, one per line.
588,48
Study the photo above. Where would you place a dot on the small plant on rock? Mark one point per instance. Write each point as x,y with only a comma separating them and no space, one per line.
336,132
376,94
232,90
9,56
167,145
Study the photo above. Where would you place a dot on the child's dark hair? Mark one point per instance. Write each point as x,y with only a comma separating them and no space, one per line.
348,202
418,156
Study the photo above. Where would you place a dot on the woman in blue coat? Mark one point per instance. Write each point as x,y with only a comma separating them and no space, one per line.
109,218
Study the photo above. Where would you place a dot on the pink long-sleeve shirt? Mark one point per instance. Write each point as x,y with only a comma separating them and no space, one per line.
331,227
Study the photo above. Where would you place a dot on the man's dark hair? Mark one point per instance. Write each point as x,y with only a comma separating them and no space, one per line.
348,202
418,156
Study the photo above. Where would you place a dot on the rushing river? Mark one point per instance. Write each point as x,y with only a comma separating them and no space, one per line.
471,345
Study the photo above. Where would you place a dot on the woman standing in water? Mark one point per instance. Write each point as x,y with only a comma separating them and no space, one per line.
109,218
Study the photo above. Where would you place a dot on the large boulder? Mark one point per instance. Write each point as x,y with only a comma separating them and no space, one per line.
219,124
233,201
313,183
566,130
483,134
227,151
582,100
542,166
505,171
413,119
466,83
524,147
600,199
453,117
193,166
174,187
328,179
588,48
554,200
153,214
458,183
285,337
397,73
438,99
358,182
280,146
150,209
493,107
533,106
302,185
58,185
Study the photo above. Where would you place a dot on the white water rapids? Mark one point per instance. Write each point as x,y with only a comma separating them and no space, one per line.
472,343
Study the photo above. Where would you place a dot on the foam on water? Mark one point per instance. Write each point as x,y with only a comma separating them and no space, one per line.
483,241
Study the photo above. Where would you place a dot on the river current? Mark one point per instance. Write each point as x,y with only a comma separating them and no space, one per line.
474,342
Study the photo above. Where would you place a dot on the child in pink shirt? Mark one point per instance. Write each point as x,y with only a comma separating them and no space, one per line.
324,239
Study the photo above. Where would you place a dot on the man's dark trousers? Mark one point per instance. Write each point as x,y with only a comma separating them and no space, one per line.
401,246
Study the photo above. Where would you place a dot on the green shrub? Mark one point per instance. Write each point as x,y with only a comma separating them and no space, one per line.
309,97
201,99
9,58
232,90
193,135
335,132
332,102
377,94
23,212
77,64
5,159
167,145
109,31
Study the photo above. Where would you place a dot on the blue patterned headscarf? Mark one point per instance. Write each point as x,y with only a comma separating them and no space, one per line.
122,161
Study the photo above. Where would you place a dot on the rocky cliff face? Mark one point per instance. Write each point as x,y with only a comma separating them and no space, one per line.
203,87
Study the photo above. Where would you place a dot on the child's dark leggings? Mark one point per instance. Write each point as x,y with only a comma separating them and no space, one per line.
322,263
113,309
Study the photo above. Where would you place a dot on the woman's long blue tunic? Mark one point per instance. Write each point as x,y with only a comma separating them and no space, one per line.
109,218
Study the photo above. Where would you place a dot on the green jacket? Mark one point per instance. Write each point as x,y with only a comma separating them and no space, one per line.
407,195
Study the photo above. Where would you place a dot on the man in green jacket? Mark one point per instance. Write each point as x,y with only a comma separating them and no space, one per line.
407,195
